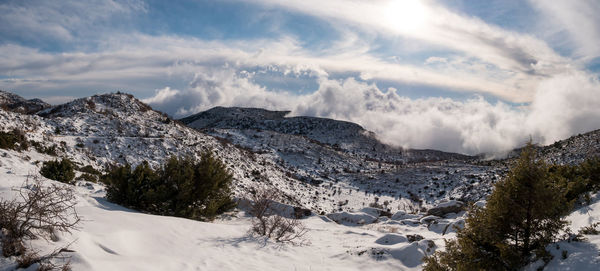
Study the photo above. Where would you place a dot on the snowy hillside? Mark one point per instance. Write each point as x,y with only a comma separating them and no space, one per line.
111,237
117,128
374,206
345,167
115,238
341,135
15,103
573,150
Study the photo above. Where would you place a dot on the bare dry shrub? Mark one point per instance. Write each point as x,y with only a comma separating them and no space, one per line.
267,222
44,261
39,212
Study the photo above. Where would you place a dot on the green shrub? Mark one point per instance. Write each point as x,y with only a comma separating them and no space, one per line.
591,229
51,150
577,181
14,140
62,171
88,177
89,169
181,187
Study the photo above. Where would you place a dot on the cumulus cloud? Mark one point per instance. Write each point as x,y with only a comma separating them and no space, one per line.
217,87
136,62
564,105
486,58
162,96
54,100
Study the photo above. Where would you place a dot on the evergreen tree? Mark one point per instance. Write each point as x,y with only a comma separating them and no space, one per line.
526,209
522,215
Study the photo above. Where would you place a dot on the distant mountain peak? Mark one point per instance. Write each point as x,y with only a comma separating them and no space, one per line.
263,119
225,116
15,103
103,103
233,117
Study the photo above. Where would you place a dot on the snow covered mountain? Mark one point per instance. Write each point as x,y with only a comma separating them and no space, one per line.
341,135
16,103
377,206
346,158
573,150
570,151
117,129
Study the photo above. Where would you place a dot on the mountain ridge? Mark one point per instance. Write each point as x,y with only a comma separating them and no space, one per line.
12,102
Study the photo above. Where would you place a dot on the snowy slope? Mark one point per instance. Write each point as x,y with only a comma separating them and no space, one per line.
115,238
584,255
355,168
341,135
117,128
317,163
572,150
16,103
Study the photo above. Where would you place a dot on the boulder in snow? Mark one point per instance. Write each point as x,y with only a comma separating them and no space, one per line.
391,239
452,206
428,219
352,219
414,238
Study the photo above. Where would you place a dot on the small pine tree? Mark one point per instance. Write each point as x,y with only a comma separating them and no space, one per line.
526,209
522,215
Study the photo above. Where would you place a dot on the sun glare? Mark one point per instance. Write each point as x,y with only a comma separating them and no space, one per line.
406,15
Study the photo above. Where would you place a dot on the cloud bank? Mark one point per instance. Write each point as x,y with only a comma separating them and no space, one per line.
563,106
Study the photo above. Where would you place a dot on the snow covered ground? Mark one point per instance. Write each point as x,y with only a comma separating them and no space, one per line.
340,182
111,237
579,255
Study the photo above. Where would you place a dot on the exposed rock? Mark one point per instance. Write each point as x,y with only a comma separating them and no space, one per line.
300,212
401,215
391,239
452,206
414,238
16,103
352,219
376,212
428,219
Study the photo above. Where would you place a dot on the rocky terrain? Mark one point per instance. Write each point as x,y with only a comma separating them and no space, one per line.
388,206
16,103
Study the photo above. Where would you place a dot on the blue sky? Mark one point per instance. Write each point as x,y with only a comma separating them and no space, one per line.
457,75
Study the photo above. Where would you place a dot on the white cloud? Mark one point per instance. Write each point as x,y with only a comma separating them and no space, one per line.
63,21
162,96
578,19
135,61
439,26
564,105
54,100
